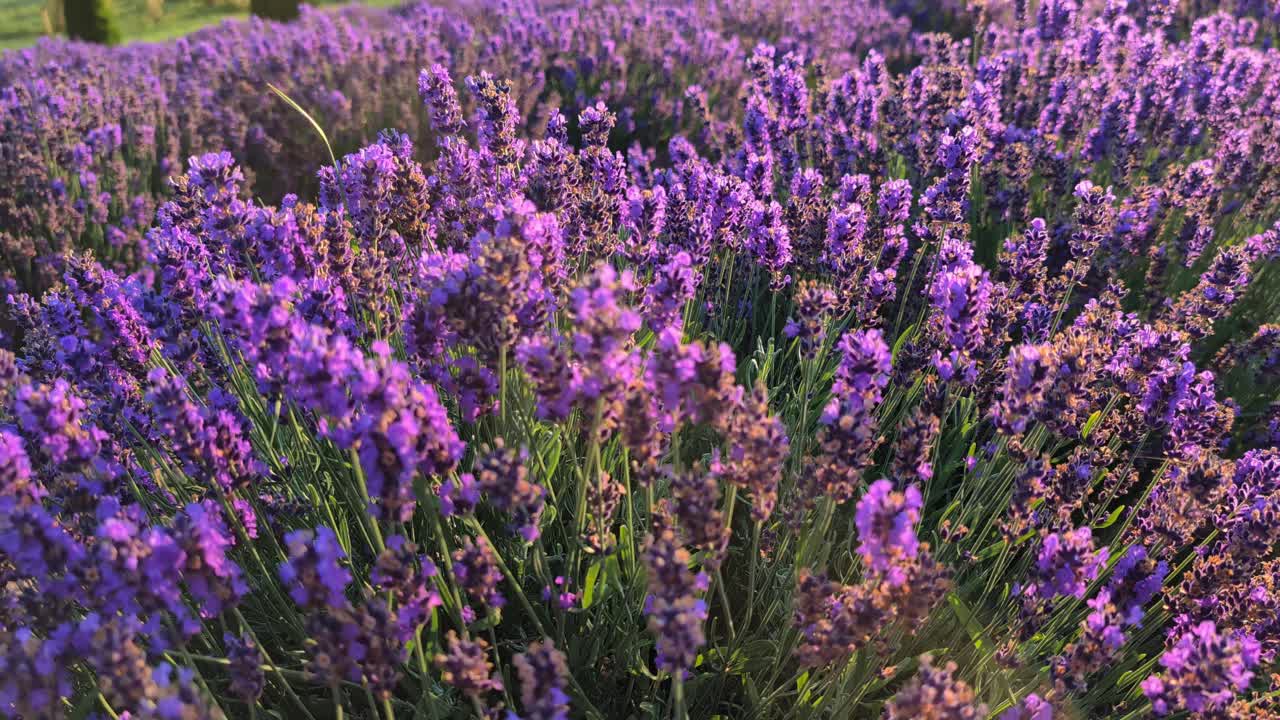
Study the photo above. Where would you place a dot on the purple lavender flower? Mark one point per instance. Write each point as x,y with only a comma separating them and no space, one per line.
1028,379
543,671
314,573
769,241
407,575
913,454
834,620
934,692
1134,582
849,432
436,90
459,495
476,569
694,382
38,546
466,667
1023,261
1031,707
603,497
1066,563
18,487
695,496
51,416
644,215
504,477
756,453
402,430
36,673
247,678
210,441
559,590
1102,635
962,297
674,284
380,648
676,613
1203,671
595,361
213,579
138,568
215,175
815,304
846,232
886,528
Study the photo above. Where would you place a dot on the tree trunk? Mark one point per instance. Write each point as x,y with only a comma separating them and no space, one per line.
274,9
91,21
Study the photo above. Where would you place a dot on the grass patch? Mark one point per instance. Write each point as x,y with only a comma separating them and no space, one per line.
22,24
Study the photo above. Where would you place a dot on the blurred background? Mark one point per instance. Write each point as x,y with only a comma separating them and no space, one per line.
23,22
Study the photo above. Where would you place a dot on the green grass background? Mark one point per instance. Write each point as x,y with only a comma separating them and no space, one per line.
21,24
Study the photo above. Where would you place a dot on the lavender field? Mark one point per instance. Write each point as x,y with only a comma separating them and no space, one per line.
606,359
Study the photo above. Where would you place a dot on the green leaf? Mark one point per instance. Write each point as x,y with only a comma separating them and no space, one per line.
756,656
488,621
84,706
612,573
902,339
1091,423
589,588
977,634
552,460
991,550
421,490
310,119
802,686
753,693
971,625
624,545
1112,518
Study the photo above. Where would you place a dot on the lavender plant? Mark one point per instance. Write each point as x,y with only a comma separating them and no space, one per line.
662,362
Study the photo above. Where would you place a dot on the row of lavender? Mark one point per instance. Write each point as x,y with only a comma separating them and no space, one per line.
873,391
93,133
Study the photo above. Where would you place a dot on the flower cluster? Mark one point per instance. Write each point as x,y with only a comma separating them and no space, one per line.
1203,670
756,338
850,426
676,612
935,693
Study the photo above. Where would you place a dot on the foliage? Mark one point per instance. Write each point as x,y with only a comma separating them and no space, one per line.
92,21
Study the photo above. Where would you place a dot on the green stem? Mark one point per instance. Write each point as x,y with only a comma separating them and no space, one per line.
363,487
728,611
502,385
751,574
631,514
678,710
451,586
277,671
528,608
102,700
586,476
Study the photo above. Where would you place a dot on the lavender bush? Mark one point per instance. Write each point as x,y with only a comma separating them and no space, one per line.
760,360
